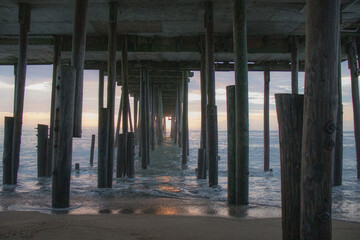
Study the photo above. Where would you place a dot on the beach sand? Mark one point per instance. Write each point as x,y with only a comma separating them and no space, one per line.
35,225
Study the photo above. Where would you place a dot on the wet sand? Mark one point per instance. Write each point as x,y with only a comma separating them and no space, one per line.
34,225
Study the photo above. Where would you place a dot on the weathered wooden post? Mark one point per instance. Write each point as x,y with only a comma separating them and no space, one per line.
295,65
101,90
147,115
185,119
241,102
320,115
56,63
180,113
203,135
121,107
64,120
103,147
92,148
42,141
212,133
338,159
231,128
290,116
130,167
152,116
143,128
77,59
24,27
136,120
113,7
266,121
351,50
159,118
121,156
125,92
8,135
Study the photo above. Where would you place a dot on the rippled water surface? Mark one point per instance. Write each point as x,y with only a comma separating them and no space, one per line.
167,187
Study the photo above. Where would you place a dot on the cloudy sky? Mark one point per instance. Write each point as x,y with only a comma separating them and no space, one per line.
38,93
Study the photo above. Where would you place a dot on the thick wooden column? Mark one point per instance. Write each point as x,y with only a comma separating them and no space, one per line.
101,90
241,102
24,26
338,160
143,128
42,142
295,65
266,121
212,133
8,135
179,126
320,116
56,63
103,147
125,92
231,153
159,117
64,120
351,50
77,59
152,116
185,120
111,87
147,115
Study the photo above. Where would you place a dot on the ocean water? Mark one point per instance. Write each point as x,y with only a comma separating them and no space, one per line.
167,187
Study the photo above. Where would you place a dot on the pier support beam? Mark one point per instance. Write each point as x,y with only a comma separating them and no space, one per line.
111,87
64,120
77,59
56,63
24,26
152,117
338,160
42,142
136,120
185,120
295,65
92,148
125,92
320,116
241,102
143,126
231,136
8,135
160,115
266,121
103,147
351,50
212,133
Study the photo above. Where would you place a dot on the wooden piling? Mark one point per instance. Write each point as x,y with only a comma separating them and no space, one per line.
7,152
231,128
113,7
159,118
125,92
56,63
351,51
130,155
295,65
143,153
77,166
212,150
320,115
152,116
101,89
42,142
24,26
77,59
185,120
266,121
64,120
241,102
203,135
121,156
103,147
147,116
92,149
121,107
290,117
136,120
338,159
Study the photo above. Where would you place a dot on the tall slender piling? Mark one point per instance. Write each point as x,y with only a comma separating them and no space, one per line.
147,116
290,117
56,63
24,27
42,142
125,91
111,87
241,102
8,135
152,116
185,120
143,128
295,65
203,135
231,138
130,167
101,90
103,147
64,120
159,118
121,156
266,121
92,148
77,59
351,50
212,150
338,159
136,120
320,116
